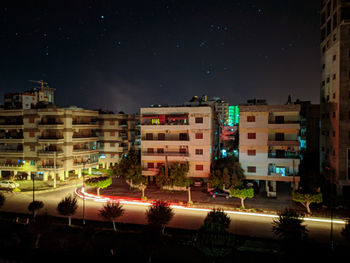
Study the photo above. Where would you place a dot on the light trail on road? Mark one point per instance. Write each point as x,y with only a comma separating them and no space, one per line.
80,192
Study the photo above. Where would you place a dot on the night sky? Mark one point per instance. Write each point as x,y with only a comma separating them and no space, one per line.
122,55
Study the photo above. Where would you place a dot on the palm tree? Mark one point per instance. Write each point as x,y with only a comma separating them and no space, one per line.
2,199
159,215
35,207
111,211
67,207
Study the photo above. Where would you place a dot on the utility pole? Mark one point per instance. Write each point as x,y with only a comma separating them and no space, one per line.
54,169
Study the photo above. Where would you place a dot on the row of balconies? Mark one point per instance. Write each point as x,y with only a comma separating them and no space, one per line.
165,154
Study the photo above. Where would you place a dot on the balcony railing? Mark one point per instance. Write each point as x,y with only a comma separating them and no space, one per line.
12,123
10,165
165,154
165,123
283,122
51,137
11,137
51,123
50,166
166,139
287,155
11,150
50,151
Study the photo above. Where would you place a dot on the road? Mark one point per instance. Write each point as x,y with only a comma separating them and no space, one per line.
240,224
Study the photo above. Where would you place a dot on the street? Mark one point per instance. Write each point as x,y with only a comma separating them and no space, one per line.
251,225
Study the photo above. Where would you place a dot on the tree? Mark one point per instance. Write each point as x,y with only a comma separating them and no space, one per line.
289,226
306,199
35,207
159,215
346,230
213,237
41,226
242,193
226,172
99,182
290,229
111,211
67,207
2,199
130,168
177,175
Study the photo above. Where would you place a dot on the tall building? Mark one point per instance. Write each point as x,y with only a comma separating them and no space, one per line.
177,134
48,141
269,144
118,133
335,89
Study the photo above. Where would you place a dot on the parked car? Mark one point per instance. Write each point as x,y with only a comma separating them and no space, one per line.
219,192
8,184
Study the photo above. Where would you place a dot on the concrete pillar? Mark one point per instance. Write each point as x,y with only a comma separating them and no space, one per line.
79,173
29,177
0,173
15,173
61,175
90,170
66,174
46,176
274,186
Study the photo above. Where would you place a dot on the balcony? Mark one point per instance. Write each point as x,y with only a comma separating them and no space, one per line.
86,164
51,125
50,166
286,155
284,125
12,125
84,138
283,143
12,166
184,154
11,152
83,150
51,138
12,139
50,152
167,138
85,125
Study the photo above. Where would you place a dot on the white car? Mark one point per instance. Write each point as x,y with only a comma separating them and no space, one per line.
8,184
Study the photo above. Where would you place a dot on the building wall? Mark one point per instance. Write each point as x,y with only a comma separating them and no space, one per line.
171,144
262,123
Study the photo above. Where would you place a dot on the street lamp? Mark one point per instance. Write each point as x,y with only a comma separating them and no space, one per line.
88,160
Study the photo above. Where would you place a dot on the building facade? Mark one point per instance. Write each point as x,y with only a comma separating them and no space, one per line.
48,141
335,90
269,144
118,134
177,134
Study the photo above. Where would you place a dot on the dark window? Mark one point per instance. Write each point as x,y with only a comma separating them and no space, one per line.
31,120
328,79
333,133
334,57
323,49
279,136
199,167
329,28
183,150
161,136
199,135
252,152
199,120
199,151
335,22
251,135
250,118
334,76
149,136
150,165
160,150
183,137
150,150
333,152
279,119
323,66
31,134
159,165
280,153
333,115
334,95
251,169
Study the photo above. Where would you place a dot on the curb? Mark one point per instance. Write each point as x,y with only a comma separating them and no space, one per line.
51,190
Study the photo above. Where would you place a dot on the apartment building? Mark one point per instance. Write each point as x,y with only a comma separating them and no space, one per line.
335,90
177,134
47,141
118,134
269,144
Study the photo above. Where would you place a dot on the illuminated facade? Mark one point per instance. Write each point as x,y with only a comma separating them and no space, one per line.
269,144
48,141
177,134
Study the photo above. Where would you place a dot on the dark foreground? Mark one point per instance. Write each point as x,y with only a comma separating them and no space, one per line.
51,240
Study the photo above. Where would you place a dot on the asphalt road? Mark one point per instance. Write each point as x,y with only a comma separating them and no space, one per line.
240,224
